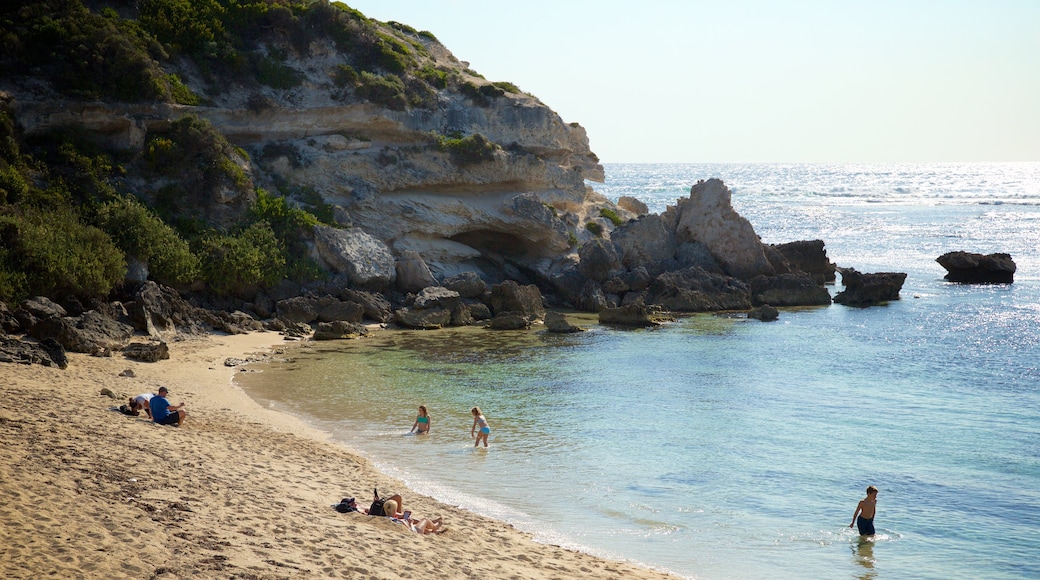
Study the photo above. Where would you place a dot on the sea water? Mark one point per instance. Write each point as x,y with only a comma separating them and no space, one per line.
720,447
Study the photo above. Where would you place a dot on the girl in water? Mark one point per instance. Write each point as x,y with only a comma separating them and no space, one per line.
422,422
478,419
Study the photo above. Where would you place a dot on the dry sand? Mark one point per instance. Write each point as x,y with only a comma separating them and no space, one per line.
238,491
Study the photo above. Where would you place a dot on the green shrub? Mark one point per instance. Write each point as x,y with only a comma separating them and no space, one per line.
610,215
507,87
344,75
595,228
52,253
467,150
13,187
240,263
386,90
140,233
434,77
276,75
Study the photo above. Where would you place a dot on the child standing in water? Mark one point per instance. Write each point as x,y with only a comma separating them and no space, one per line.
478,419
863,517
422,422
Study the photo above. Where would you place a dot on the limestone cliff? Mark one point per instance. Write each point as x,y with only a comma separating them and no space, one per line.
389,170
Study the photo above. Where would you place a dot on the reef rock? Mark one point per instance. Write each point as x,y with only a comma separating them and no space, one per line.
971,268
869,289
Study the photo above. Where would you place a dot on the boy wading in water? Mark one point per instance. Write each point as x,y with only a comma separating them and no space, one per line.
864,514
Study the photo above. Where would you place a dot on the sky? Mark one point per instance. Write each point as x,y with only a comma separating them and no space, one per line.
691,81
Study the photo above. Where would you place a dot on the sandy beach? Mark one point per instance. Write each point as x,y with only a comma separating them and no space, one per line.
238,491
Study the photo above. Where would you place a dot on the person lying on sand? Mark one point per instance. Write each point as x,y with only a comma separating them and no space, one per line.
141,402
425,526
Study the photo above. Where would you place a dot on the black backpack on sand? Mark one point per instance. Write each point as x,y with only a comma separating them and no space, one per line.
376,509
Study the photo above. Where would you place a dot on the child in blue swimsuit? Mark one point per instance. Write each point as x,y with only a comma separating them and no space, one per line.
478,419
422,422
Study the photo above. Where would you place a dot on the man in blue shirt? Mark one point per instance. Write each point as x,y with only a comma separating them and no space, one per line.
163,412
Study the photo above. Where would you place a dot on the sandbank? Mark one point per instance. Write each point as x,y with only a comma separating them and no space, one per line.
238,491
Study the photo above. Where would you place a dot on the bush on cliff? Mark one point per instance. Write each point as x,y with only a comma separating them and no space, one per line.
467,150
242,262
138,232
53,253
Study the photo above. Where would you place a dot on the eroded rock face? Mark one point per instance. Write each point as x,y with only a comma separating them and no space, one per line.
708,217
972,268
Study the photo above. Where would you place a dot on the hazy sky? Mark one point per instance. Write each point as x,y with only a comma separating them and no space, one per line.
765,80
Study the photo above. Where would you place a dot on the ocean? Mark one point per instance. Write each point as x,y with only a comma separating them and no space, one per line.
719,447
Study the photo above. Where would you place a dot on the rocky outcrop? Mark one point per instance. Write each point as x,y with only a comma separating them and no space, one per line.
765,313
708,217
46,352
339,330
556,322
796,288
969,268
808,256
694,290
412,272
869,289
512,297
637,314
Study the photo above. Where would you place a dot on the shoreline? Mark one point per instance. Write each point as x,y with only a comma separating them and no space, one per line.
238,490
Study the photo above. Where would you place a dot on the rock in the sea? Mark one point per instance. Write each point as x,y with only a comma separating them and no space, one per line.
637,314
467,284
869,289
972,268
512,297
694,290
809,256
510,321
425,319
795,288
556,322
339,329
765,313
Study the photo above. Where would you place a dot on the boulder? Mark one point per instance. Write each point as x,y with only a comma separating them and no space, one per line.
374,306
708,217
340,310
765,313
694,290
637,279
791,289
339,329
869,289
557,323
412,272
8,323
643,241
592,298
696,255
46,352
809,256
636,314
159,311
33,310
147,351
467,284
92,332
510,321
436,297
479,311
236,322
299,309
633,205
425,319
512,297
600,259
365,260
969,268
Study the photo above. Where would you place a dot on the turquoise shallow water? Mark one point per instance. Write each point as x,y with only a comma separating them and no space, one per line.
719,447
